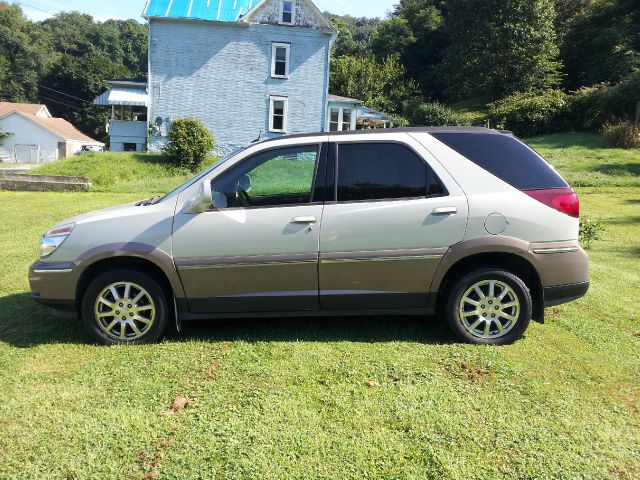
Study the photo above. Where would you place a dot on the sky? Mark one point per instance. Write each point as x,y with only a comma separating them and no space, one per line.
123,9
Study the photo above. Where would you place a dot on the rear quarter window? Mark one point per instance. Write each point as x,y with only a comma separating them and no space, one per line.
505,157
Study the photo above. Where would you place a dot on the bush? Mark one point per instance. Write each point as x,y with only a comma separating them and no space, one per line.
435,114
527,115
188,144
590,108
622,135
590,231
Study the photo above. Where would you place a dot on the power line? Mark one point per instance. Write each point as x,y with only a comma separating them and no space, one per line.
65,94
51,89
34,7
67,105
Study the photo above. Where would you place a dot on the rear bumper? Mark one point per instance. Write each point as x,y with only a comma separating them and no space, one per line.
564,293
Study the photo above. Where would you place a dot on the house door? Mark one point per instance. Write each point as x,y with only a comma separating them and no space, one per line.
258,250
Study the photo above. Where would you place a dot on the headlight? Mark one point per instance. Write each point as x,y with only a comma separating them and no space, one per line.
54,238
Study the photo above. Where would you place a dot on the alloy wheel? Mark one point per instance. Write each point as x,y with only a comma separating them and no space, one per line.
489,309
125,311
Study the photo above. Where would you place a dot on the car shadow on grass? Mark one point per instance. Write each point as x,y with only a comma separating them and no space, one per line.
24,324
365,329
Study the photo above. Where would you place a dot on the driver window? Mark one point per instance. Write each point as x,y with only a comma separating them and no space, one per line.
276,177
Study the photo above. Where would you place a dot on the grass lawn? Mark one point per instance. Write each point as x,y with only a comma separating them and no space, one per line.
121,172
287,398
585,161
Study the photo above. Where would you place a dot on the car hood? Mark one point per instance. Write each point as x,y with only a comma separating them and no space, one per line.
104,212
116,212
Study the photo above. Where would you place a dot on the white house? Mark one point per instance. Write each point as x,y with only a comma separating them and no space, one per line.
35,136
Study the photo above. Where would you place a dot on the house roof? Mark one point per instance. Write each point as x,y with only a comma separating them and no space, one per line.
214,10
338,98
124,93
62,128
57,126
233,11
27,108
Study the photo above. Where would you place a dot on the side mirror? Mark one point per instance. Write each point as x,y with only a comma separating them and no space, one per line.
201,201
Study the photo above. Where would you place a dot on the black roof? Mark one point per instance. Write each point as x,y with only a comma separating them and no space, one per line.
482,130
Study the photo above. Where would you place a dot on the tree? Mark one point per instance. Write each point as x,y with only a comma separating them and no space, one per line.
500,47
382,86
423,50
354,34
392,37
567,11
603,45
23,56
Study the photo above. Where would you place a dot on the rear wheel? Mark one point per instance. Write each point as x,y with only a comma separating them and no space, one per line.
125,307
489,306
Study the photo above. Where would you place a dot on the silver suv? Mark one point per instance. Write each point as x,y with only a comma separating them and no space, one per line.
468,222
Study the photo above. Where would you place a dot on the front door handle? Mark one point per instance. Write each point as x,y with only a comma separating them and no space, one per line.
303,220
445,211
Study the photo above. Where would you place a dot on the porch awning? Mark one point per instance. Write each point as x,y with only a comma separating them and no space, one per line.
133,97
369,114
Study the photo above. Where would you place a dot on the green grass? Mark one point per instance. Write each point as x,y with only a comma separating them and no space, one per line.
474,110
121,172
287,398
585,161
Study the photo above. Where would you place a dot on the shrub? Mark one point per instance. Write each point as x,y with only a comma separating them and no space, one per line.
590,108
188,144
527,115
590,231
435,114
622,135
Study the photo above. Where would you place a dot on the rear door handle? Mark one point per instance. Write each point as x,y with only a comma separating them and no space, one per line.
445,211
303,220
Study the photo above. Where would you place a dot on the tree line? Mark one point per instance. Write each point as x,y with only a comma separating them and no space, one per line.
531,65
64,61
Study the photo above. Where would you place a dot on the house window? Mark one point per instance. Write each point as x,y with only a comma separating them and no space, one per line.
278,114
340,119
280,60
287,12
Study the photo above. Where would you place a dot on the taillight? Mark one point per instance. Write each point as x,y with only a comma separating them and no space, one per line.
564,200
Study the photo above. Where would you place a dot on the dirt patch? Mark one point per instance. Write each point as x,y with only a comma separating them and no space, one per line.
472,373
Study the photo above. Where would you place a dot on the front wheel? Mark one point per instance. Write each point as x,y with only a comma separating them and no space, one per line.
124,307
489,306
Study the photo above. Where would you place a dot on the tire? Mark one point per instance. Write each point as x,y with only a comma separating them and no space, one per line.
486,319
142,319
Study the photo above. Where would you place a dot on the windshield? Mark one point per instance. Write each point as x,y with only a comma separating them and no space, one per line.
188,183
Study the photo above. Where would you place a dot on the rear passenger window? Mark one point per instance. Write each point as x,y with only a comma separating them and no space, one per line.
505,157
378,171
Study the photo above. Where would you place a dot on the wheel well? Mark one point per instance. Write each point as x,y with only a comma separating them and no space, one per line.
507,261
134,263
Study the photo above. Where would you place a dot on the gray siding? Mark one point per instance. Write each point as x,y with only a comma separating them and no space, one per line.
221,74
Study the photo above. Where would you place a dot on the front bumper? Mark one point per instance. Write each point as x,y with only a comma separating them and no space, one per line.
54,285
564,293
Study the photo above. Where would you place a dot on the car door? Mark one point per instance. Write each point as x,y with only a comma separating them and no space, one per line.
390,222
257,249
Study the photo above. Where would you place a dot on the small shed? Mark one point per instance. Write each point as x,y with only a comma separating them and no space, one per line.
128,128
32,135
